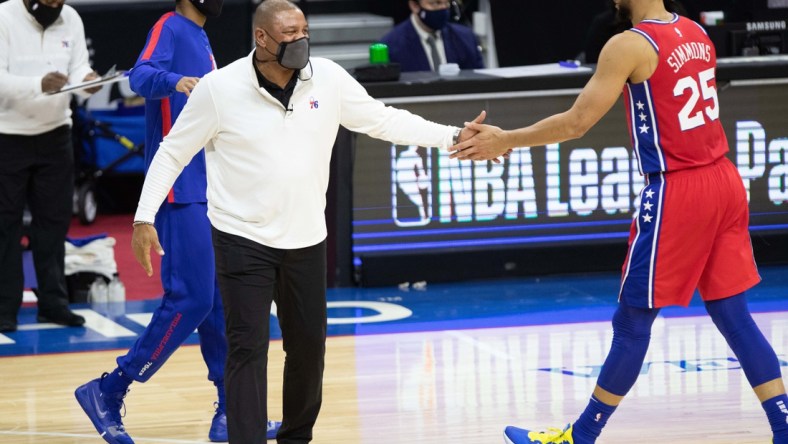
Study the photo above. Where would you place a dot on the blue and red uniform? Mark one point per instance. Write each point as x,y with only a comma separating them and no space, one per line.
177,47
691,229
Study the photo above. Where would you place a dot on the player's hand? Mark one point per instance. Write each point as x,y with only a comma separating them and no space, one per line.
186,85
143,238
488,143
466,133
52,82
92,76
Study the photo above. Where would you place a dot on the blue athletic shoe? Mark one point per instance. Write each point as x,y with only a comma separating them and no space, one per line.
273,429
218,432
103,409
514,435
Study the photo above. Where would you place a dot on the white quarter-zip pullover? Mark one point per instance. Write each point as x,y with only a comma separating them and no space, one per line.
27,54
268,167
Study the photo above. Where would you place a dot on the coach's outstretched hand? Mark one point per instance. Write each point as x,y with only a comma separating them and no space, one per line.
488,143
143,238
466,133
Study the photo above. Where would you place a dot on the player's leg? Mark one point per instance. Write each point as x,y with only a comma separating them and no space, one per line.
756,357
213,346
183,307
631,337
213,343
188,297
731,269
647,281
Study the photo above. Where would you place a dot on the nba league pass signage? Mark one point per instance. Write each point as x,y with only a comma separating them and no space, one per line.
410,198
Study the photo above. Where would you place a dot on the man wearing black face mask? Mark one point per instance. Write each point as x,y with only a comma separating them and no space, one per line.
176,55
42,47
428,39
268,123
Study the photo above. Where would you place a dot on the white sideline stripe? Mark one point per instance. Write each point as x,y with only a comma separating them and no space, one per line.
140,318
41,326
103,325
143,319
94,437
94,321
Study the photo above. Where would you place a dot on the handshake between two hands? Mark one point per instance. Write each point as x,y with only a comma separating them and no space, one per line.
478,141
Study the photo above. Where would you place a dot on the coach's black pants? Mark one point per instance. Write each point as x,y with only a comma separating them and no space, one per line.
250,276
37,171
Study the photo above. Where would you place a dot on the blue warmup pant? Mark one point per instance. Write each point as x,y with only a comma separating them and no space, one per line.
191,296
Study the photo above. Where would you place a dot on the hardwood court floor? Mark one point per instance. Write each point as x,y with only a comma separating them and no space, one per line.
450,386
452,363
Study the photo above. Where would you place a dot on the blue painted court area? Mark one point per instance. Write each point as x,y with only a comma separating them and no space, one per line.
409,308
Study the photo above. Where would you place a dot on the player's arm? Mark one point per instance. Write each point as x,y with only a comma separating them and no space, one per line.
620,58
151,76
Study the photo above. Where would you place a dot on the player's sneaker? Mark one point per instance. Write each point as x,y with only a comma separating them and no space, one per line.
218,432
273,429
103,409
514,435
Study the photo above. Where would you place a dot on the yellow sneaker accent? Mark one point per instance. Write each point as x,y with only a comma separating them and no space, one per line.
553,436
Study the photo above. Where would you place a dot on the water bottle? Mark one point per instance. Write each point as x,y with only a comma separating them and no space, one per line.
99,292
116,290
117,297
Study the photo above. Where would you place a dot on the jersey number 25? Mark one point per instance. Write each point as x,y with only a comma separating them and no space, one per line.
696,88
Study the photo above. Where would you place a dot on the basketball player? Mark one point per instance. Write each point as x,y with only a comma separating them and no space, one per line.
176,55
691,230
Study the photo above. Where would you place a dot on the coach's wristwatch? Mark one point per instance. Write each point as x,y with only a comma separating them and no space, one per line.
456,138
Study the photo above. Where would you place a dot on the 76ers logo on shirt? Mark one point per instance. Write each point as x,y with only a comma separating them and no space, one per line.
313,103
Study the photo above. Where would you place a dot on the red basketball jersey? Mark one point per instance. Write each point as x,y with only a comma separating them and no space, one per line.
673,117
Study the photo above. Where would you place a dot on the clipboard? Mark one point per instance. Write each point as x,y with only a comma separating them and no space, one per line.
111,76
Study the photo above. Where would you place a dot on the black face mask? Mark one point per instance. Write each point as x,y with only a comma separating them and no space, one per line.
435,20
293,54
43,14
209,8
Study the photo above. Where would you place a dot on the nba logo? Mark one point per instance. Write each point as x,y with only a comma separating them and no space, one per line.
411,185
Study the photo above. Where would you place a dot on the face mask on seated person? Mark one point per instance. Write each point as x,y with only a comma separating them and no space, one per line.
43,14
436,20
